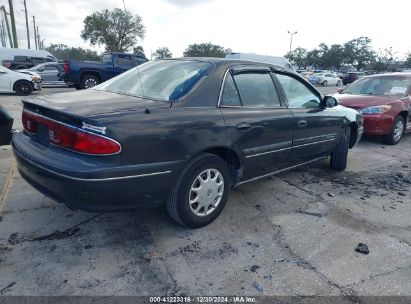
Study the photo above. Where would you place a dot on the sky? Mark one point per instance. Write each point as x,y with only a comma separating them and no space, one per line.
256,26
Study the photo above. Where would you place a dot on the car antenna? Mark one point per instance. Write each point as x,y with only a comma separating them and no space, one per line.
147,111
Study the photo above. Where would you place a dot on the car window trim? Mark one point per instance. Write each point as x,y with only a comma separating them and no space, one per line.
220,105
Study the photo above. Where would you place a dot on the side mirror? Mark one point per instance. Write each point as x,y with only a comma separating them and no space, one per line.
329,102
340,90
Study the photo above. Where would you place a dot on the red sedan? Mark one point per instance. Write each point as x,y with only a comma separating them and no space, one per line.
385,102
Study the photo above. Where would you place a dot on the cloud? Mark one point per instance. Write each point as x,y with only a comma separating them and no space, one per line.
188,3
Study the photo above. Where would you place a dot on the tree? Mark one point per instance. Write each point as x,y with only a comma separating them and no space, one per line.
298,57
139,50
205,50
358,52
163,53
313,58
408,61
335,56
384,58
63,52
118,29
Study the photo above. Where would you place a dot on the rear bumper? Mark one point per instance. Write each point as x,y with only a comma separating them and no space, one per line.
89,189
378,124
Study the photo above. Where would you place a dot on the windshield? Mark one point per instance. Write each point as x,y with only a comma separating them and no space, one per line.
166,80
390,86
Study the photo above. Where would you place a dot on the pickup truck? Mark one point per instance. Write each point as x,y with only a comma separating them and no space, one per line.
87,74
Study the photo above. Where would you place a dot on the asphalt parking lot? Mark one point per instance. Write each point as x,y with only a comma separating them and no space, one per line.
292,234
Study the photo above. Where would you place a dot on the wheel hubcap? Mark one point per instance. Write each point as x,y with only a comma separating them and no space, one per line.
206,192
89,83
398,130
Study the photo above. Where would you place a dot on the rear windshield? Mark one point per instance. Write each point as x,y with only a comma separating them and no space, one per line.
166,80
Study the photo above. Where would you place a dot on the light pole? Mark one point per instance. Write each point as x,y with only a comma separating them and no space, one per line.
291,36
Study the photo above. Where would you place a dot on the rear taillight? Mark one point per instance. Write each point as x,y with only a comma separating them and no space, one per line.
66,67
69,137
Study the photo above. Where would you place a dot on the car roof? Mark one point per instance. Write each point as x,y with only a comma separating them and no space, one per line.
232,62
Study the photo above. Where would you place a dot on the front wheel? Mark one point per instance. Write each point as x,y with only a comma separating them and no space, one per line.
23,88
200,192
338,159
325,83
397,131
338,83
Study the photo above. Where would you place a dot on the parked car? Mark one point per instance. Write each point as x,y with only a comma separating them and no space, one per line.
350,77
21,83
87,74
324,79
24,58
6,124
306,75
50,73
385,101
277,60
183,132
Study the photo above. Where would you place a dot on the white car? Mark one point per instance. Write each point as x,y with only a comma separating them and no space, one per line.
325,79
21,83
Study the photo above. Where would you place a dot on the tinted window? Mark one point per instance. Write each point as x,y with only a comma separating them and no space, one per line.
123,59
230,95
257,90
106,58
37,60
297,94
21,58
162,79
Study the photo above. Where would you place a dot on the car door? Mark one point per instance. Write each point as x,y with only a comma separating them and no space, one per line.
123,62
330,79
49,72
5,80
316,129
257,121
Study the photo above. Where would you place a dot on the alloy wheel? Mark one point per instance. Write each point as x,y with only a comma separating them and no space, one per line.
398,130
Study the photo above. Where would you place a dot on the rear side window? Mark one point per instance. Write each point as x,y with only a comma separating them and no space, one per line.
124,59
230,95
21,58
257,90
37,60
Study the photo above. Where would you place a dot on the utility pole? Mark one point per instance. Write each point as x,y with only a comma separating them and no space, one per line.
3,8
13,24
35,33
27,24
38,37
291,40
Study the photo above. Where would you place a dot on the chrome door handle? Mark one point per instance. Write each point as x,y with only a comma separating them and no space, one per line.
243,126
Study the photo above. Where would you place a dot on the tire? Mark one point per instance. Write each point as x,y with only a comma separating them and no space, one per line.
397,130
338,159
202,167
324,83
338,83
77,86
89,81
23,88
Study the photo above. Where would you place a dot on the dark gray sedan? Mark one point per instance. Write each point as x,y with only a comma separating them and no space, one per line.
181,132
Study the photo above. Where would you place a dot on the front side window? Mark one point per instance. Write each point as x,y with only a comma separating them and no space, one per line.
166,80
257,90
298,94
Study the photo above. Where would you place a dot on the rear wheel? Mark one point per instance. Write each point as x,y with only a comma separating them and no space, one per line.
200,192
89,81
397,131
338,159
325,83
23,88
